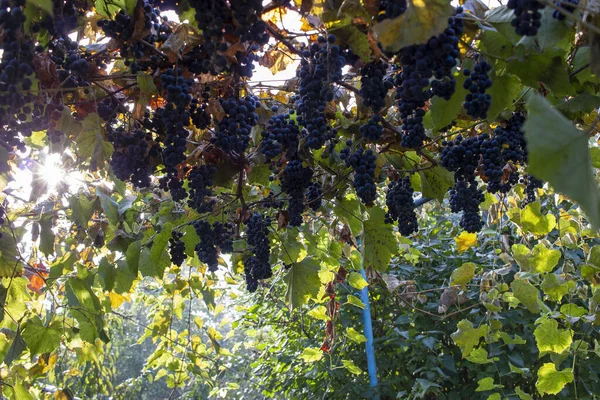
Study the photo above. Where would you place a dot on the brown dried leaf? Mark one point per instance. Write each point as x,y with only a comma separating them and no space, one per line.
139,22
45,70
372,6
215,109
185,37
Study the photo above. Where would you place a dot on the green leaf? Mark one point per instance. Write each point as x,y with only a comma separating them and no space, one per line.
579,105
91,144
107,273
504,92
291,246
435,182
130,7
500,18
16,348
320,313
40,338
82,209
355,38
46,234
466,337
422,20
110,207
356,280
355,336
526,293
541,259
9,256
45,5
443,111
311,354
551,381
155,267
379,243
303,282
553,34
480,356
486,384
355,301
348,210
86,309
351,367
551,339
559,154
522,395
463,274
554,288
573,310
550,69
160,243
22,393
532,220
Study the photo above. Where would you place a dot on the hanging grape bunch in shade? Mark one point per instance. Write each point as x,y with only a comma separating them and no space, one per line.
401,206
478,102
295,179
567,6
257,266
320,66
363,164
214,238
528,16
177,248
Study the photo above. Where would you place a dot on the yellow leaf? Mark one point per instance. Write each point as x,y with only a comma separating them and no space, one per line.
465,241
116,300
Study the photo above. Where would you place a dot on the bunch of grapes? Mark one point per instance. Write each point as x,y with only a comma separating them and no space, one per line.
198,110
419,64
568,6
528,16
177,248
314,196
213,239
281,134
62,22
373,129
532,184
321,66
363,163
477,102
401,206
15,78
462,156
373,86
466,197
389,9
200,182
177,88
131,160
72,68
257,266
108,108
295,179
233,133
270,201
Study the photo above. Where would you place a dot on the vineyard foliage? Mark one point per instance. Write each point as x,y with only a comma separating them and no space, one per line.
175,224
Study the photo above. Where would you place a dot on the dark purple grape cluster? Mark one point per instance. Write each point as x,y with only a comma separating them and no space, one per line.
198,110
528,16
295,179
213,239
462,156
257,266
389,9
178,88
478,102
401,206
363,163
314,196
131,159
63,22
200,182
71,65
420,63
373,129
271,201
532,184
568,6
320,66
373,85
16,82
233,133
280,135
108,108
466,197
177,248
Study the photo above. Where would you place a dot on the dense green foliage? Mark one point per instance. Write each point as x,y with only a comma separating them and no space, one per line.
174,227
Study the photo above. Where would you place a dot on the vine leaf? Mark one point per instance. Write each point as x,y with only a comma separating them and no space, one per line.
527,294
311,354
463,274
486,384
378,241
421,20
555,287
522,395
435,182
559,154
551,69
551,381
357,281
550,339
183,39
465,241
540,260
303,282
351,367
86,309
532,220
16,348
355,336
91,144
466,337
45,5
320,313
480,356
40,338
505,89
355,301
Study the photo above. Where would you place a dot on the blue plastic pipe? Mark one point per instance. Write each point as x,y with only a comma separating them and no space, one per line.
368,328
